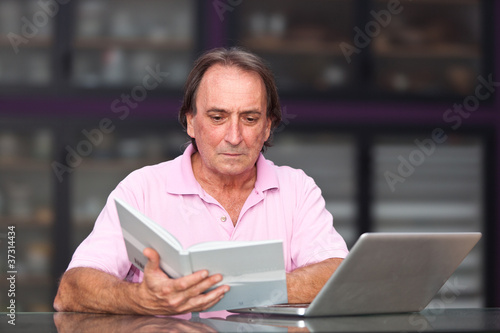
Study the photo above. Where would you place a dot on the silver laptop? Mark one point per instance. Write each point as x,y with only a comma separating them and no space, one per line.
385,273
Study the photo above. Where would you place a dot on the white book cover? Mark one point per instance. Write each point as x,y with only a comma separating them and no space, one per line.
255,270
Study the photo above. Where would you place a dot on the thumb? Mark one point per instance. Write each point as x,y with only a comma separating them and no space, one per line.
153,259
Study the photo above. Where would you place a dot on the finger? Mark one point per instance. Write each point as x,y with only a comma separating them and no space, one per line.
197,283
216,293
205,301
195,300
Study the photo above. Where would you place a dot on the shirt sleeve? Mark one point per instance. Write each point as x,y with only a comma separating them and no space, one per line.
104,248
314,236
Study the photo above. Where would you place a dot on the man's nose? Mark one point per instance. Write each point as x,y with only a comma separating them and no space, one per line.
233,134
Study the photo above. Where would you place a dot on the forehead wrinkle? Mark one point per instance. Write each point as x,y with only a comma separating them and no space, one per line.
237,112
220,83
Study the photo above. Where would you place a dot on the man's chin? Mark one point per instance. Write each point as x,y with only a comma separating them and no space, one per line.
234,169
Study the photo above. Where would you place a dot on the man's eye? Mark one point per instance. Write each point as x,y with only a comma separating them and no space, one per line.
216,118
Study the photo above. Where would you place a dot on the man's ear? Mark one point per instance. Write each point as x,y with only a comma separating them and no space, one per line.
189,124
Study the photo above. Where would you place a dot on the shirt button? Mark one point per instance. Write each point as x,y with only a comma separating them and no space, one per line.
223,218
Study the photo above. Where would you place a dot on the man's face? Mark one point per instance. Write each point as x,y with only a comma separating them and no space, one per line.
230,125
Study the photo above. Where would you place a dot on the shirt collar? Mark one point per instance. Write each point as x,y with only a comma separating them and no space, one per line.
184,182
181,178
266,175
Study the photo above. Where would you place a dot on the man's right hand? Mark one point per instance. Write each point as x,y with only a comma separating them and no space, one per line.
159,294
84,289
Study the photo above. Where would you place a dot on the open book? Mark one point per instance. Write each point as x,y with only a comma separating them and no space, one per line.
255,270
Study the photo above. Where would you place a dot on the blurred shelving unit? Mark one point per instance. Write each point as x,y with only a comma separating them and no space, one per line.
330,159
429,48
367,49
100,172
433,50
350,49
413,185
116,41
440,189
26,44
300,41
69,49
27,203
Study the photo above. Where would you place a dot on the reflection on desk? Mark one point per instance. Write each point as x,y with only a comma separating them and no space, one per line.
435,320
82,322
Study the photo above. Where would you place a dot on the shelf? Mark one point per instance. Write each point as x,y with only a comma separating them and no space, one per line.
308,47
427,210
132,43
30,280
35,42
20,164
443,51
31,223
33,280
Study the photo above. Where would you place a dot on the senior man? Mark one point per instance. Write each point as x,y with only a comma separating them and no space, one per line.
220,188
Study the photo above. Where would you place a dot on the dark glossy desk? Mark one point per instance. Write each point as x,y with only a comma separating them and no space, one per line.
435,320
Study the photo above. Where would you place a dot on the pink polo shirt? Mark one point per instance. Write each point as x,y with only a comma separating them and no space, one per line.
285,204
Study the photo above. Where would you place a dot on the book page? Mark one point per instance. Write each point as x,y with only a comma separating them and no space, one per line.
255,271
140,232
228,244
253,257
147,222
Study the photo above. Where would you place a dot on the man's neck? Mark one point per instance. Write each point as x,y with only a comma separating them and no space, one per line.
218,182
